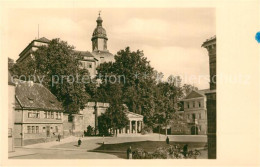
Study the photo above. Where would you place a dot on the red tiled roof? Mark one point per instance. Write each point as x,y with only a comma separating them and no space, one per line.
35,96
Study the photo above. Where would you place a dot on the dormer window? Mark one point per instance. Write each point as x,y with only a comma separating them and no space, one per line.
30,99
52,102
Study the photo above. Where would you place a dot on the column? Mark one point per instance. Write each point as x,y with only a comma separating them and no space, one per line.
139,127
130,127
135,126
123,130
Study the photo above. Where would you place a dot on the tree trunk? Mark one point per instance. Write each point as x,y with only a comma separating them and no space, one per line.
159,133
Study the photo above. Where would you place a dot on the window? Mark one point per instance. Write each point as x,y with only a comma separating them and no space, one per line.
29,130
194,104
193,116
188,105
49,115
37,129
43,129
57,129
33,129
10,133
58,114
89,65
34,114
45,114
52,115
199,104
37,114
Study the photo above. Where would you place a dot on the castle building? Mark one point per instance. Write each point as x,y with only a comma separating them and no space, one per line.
90,60
39,116
210,45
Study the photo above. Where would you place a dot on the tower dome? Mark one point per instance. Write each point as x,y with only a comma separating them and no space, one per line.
99,37
99,31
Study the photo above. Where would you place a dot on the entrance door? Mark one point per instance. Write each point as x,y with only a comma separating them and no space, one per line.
48,131
194,130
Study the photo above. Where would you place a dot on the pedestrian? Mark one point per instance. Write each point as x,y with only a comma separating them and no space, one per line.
129,153
79,142
167,140
185,150
59,137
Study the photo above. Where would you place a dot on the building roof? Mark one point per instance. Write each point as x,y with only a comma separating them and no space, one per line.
104,54
99,31
194,94
209,41
31,95
42,39
82,53
132,114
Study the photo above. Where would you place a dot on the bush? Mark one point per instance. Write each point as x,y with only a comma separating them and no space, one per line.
146,130
160,153
139,153
90,131
171,152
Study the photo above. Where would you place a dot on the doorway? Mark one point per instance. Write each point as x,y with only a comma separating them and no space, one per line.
48,131
194,130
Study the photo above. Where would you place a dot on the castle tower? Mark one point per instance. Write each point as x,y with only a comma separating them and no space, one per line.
99,37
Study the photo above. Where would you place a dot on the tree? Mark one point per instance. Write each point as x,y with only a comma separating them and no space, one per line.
166,104
60,72
136,77
114,118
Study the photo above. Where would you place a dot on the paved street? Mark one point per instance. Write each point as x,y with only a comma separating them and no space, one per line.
68,149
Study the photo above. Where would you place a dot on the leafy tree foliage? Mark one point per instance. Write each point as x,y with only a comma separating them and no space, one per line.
59,71
142,89
114,118
135,75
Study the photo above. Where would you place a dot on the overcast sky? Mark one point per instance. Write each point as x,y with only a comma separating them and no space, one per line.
170,38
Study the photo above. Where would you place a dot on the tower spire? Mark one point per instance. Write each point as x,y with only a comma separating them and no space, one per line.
99,36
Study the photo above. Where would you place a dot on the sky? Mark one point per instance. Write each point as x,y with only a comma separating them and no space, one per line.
170,38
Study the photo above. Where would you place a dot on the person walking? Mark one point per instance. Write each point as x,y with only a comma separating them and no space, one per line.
129,153
79,142
167,140
59,137
185,150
